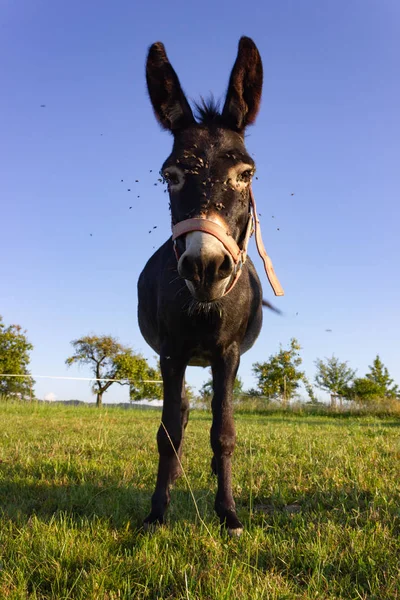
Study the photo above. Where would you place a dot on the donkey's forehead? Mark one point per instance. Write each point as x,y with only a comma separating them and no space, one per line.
209,144
204,135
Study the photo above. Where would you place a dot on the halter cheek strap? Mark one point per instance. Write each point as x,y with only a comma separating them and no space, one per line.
238,255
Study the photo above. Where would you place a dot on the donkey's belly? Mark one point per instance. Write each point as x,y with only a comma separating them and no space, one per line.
199,362
252,333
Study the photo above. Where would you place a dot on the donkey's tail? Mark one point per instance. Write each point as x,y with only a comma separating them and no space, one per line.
271,306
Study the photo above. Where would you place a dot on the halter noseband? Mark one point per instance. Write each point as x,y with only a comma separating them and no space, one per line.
238,255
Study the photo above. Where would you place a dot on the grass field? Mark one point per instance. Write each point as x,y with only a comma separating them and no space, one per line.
319,496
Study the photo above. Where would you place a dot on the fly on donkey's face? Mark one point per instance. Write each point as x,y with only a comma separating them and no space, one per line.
209,170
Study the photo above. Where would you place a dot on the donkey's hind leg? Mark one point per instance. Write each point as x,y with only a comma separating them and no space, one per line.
170,435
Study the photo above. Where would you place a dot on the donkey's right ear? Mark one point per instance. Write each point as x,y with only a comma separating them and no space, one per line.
169,102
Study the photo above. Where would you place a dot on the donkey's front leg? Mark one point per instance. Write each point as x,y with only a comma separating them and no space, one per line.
169,436
224,371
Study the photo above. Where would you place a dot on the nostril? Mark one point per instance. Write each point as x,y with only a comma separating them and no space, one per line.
188,268
184,267
198,270
226,267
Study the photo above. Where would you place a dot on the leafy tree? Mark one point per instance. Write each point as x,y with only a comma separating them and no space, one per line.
334,377
376,385
145,386
14,360
310,390
110,360
379,375
207,388
363,390
253,392
206,391
191,394
280,376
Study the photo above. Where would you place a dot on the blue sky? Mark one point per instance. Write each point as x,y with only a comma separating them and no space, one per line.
328,131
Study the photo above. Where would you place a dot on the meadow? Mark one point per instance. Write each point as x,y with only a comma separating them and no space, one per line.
319,496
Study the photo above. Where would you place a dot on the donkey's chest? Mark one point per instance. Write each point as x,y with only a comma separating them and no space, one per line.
201,338
202,350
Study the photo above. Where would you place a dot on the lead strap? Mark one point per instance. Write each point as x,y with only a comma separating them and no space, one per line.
268,266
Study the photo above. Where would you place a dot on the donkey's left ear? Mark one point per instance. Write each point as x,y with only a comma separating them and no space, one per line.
169,102
244,91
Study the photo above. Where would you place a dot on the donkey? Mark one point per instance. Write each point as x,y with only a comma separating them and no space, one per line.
200,300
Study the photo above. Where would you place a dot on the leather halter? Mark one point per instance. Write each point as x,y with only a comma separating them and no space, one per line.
238,255
222,234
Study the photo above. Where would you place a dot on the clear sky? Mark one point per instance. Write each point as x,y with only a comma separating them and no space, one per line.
71,249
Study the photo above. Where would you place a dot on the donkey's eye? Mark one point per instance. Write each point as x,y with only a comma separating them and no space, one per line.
174,177
245,176
240,176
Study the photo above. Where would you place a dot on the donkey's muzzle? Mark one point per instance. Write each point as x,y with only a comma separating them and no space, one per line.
212,261
207,276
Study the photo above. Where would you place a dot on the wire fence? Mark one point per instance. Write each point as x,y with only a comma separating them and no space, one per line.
77,378
31,379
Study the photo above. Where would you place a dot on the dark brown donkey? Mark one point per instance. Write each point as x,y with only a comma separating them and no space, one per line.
200,299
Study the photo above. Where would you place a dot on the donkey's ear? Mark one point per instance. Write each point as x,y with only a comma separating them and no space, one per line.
244,91
169,102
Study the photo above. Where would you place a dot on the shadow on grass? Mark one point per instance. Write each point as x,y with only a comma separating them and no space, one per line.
119,504
347,506
112,502
312,421
315,418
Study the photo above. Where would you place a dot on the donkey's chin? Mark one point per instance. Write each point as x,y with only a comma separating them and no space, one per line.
210,293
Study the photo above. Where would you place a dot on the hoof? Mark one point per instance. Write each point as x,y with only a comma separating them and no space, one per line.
150,527
151,523
235,533
232,525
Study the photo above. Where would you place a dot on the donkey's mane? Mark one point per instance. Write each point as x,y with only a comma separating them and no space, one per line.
208,111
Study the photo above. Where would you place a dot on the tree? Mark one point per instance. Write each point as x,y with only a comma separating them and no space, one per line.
14,360
207,388
379,375
280,376
145,386
363,390
206,391
110,360
253,392
334,377
375,386
310,390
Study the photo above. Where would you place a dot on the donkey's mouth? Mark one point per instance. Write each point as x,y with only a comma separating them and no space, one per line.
207,294
197,308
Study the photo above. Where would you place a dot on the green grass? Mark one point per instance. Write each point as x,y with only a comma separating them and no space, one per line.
319,496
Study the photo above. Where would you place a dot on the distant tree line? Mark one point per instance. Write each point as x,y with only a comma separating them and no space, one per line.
278,379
